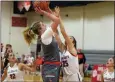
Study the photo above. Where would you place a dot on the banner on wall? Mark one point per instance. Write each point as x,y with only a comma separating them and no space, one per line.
97,71
27,5
19,21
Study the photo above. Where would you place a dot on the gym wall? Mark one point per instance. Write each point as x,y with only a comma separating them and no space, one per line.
9,34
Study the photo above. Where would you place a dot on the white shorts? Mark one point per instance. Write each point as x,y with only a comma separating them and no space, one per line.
72,78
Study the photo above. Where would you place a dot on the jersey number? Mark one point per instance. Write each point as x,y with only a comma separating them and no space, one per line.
12,76
65,63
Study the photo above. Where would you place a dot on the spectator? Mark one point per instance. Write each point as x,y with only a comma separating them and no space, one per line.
1,66
1,47
2,53
82,61
30,60
23,59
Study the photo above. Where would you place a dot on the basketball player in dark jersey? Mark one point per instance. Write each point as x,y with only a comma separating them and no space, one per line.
51,64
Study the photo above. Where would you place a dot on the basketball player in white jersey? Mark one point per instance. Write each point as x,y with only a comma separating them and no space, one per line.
108,74
14,72
69,56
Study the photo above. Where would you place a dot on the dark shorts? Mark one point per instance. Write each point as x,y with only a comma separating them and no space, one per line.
50,73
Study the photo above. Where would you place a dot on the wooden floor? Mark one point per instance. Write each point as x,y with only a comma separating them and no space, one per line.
38,78
33,78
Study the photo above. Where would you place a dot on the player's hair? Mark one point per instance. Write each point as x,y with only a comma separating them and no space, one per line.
74,42
30,33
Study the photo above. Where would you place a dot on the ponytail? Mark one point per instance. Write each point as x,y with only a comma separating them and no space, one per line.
28,35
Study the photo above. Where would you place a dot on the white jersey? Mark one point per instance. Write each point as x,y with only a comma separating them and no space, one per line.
70,64
14,74
108,76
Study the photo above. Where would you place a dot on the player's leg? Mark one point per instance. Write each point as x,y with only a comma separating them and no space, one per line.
74,78
50,73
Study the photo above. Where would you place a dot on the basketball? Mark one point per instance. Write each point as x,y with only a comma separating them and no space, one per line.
42,4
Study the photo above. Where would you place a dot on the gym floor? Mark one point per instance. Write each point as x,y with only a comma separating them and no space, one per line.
38,78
